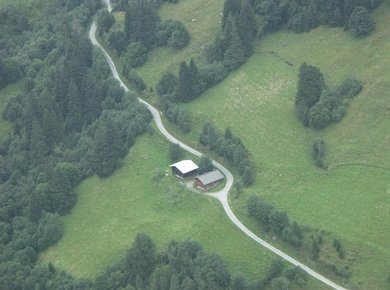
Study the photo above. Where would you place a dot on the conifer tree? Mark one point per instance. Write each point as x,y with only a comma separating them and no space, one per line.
107,149
196,85
360,22
310,85
183,92
234,55
74,120
230,7
38,147
246,26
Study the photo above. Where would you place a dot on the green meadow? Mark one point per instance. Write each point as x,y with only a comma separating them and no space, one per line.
110,212
350,200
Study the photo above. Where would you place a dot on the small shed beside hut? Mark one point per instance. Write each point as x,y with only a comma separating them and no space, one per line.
184,168
209,179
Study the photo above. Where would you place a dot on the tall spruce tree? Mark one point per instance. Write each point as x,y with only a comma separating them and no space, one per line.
360,22
230,7
246,26
141,19
310,85
183,92
107,149
74,119
235,54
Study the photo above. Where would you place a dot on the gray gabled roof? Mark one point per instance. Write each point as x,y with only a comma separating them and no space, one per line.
210,177
185,166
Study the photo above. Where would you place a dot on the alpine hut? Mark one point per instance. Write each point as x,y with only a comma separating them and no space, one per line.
184,168
209,179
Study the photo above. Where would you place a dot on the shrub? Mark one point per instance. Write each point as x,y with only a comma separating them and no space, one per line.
136,81
319,153
136,55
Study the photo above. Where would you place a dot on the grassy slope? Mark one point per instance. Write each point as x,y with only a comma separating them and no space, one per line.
257,102
207,15
110,212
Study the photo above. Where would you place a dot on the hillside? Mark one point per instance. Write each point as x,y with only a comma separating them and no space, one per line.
257,102
160,208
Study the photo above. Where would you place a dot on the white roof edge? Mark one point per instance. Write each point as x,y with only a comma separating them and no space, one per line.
185,166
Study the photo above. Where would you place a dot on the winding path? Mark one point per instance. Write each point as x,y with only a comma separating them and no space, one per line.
221,195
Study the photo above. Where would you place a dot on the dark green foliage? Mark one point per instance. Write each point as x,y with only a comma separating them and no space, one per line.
74,120
179,37
49,231
274,14
319,116
118,41
184,90
302,16
293,234
248,176
10,71
141,20
315,250
330,107
104,21
246,26
310,85
136,55
297,275
235,53
188,83
178,116
212,74
107,148
350,87
166,85
319,153
280,283
339,248
175,152
277,221
135,80
275,270
205,165
230,7
181,266
360,23
230,148
184,121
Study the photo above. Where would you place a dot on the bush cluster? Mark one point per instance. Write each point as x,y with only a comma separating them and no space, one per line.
230,148
276,221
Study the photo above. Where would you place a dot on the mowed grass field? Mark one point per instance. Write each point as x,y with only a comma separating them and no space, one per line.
352,198
110,212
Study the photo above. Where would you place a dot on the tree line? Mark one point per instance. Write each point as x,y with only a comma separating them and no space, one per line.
179,265
232,149
307,241
302,16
